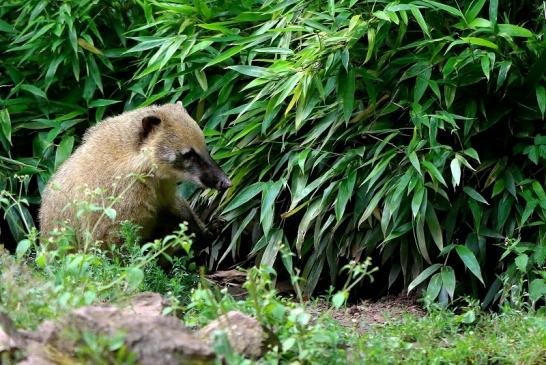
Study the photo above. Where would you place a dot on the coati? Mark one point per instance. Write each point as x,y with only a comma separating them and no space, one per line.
139,157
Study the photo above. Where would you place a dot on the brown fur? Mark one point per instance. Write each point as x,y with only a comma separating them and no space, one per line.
146,142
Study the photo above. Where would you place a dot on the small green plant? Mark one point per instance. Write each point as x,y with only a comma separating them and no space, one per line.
356,272
102,349
294,336
524,281
59,278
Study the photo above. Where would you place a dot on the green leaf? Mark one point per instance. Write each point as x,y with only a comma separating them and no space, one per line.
521,262
415,161
6,27
310,214
468,317
434,286
110,213
344,194
493,9
339,298
423,276
434,227
503,72
63,150
421,84
471,152
469,261
102,102
134,277
474,10
244,196
480,42
41,261
433,171
22,248
537,289
274,243
486,65
201,78
541,99
5,124
371,44
270,192
539,191
451,10
34,90
474,195
417,199
347,89
420,20
371,206
252,71
421,240
514,30
448,280
226,54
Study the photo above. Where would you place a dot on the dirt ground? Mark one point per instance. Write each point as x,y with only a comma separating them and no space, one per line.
360,316
366,313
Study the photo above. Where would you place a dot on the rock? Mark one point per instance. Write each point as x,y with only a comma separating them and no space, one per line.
244,333
10,338
146,304
154,338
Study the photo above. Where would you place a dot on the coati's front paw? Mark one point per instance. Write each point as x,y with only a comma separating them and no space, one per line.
216,226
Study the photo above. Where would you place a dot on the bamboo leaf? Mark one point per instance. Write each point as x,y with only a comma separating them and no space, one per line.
344,194
225,55
244,196
455,167
514,30
63,150
469,261
541,99
420,20
434,227
448,280
475,195
425,274
434,172
346,90
434,286
34,90
480,42
270,192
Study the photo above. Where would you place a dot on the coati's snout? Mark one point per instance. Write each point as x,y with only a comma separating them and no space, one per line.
203,169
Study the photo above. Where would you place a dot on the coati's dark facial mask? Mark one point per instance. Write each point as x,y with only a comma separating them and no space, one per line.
202,168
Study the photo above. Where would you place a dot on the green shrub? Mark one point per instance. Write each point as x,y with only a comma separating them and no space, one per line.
410,130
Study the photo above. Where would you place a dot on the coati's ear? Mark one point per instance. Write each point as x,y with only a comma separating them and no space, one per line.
148,124
179,103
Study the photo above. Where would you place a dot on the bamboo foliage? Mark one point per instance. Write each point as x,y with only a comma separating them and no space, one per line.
412,131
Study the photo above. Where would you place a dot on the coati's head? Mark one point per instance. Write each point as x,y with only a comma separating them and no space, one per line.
178,146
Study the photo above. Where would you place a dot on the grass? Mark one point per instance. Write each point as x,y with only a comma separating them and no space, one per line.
442,337
32,292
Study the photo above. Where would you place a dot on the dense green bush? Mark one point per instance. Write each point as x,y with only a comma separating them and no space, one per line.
409,130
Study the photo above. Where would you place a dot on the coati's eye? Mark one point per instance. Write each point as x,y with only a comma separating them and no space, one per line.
188,159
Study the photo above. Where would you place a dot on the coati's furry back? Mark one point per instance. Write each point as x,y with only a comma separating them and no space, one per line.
162,143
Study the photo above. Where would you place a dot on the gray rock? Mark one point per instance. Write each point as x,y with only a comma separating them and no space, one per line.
154,338
244,333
